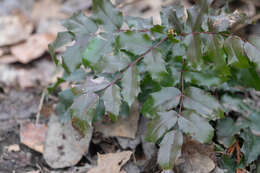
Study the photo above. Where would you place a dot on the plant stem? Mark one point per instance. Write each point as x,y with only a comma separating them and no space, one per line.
136,30
182,87
137,60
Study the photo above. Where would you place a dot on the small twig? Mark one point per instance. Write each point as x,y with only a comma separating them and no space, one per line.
40,106
182,87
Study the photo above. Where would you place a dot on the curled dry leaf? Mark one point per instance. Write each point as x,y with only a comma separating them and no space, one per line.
33,48
112,162
33,135
14,29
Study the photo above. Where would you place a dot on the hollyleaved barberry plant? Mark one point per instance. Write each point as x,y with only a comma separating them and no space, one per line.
184,73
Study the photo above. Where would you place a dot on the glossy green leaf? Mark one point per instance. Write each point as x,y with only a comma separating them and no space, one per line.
76,76
135,42
148,86
228,164
80,25
226,129
252,121
166,98
112,99
234,48
170,149
195,126
107,15
100,110
84,107
253,53
97,47
163,122
130,85
233,104
202,102
203,79
178,49
172,17
194,54
139,23
72,58
247,77
154,63
62,39
251,146
115,63
163,100
66,98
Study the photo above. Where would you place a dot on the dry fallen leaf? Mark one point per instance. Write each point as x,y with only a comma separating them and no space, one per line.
13,148
124,127
33,135
33,171
111,163
64,146
196,157
7,59
33,48
14,29
21,76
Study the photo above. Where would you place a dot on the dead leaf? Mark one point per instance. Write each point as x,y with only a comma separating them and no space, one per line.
33,135
124,127
64,146
196,158
13,148
33,171
33,48
7,59
47,9
111,163
12,75
14,29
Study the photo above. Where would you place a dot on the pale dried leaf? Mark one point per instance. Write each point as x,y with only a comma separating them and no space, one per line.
13,148
111,163
33,135
14,29
33,48
64,146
